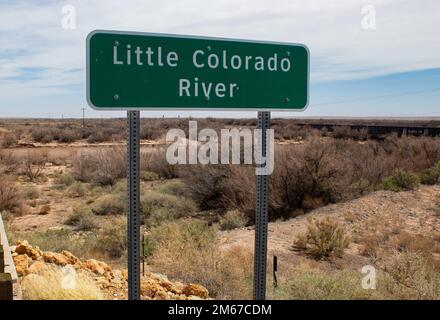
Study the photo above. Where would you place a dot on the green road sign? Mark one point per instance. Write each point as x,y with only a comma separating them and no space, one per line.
140,71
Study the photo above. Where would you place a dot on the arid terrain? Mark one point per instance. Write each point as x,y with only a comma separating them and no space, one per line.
339,201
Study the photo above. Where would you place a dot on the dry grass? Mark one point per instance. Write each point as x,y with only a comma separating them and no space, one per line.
188,251
48,285
233,219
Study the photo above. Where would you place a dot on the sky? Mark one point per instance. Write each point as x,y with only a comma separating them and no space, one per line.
373,58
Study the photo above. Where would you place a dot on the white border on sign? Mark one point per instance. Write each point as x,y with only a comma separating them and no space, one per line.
89,102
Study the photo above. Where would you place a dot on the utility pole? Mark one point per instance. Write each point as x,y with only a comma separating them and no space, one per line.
84,116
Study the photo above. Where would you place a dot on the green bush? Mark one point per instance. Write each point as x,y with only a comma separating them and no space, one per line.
158,216
149,246
149,176
401,181
82,219
175,188
65,179
431,175
112,240
76,190
110,204
157,207
233,219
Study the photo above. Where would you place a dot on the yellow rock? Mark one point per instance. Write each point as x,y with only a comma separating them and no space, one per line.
98,267
56,258
22,264
71,259
25,248
192,289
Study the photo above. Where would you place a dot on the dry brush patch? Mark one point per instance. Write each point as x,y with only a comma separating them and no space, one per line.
188,251
48,285
324,238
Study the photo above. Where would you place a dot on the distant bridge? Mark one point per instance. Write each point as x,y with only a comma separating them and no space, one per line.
376,128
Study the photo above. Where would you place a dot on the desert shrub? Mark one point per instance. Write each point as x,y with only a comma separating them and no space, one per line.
233,219
227,274
149,176
323,239
82,218
9,196
149,132
75,190
112,239
8,162
96,137
30,192
42,134
33,163
67,136
400,181
157,207
370,245
309,175
65,179
175,188
342,132
148,246
220,187
418,243
413,276
47,285
110,204
431,175
8,140
156,162
102,166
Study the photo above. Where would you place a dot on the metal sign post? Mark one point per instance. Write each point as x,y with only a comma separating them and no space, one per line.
261,214
133,227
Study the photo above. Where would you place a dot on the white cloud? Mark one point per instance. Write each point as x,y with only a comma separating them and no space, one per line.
406,37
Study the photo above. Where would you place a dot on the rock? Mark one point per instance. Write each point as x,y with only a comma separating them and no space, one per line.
192,289
22,264
71,259
56,258
150,288
98,267
161,295
25,248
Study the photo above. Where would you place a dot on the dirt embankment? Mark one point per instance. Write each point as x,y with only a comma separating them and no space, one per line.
415,212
